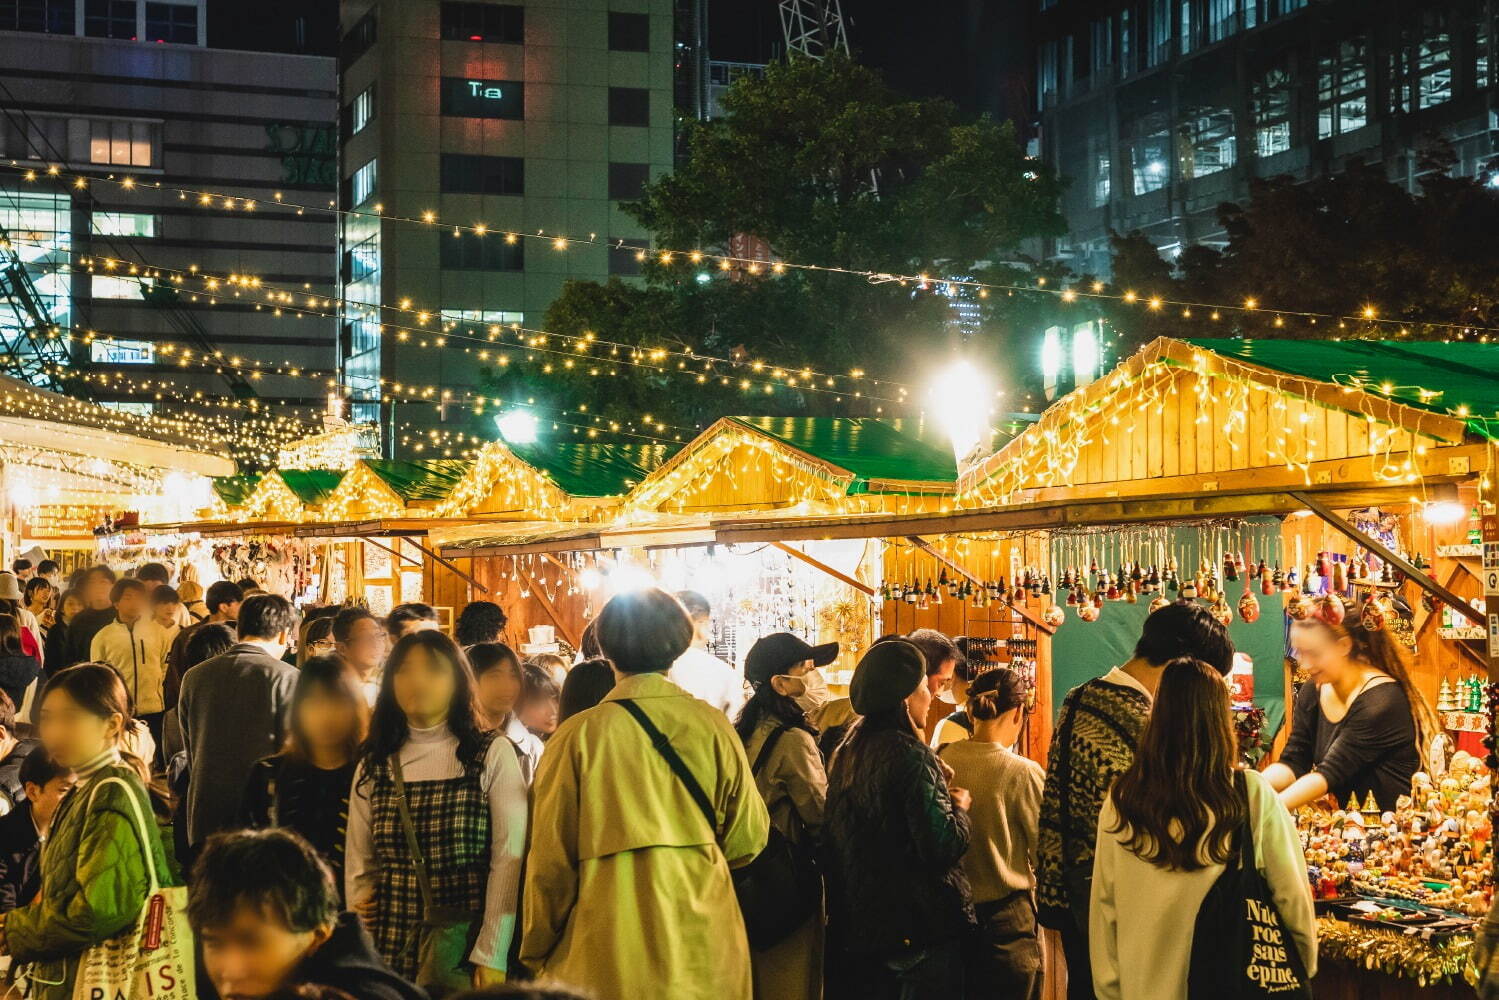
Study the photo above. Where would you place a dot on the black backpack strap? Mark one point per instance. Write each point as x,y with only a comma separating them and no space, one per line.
674,761
766,748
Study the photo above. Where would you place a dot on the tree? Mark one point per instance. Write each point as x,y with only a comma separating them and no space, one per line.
827,166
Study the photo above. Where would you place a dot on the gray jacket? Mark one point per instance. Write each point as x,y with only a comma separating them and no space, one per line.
233,711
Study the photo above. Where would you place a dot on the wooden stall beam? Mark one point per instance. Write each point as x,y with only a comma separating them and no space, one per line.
393,551
862,588
1377,547
937,554
549,608
447,564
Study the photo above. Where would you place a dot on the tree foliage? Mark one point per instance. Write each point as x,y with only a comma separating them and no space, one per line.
826,165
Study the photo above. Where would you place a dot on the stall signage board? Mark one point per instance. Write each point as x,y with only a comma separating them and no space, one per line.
1490,528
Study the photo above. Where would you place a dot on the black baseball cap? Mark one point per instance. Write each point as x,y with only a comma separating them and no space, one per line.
777,653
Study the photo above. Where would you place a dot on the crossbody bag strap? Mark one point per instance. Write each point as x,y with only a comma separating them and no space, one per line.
418,861
1246,832
765,749
141,830
675,762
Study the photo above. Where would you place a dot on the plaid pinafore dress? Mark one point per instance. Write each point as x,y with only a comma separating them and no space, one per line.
451,817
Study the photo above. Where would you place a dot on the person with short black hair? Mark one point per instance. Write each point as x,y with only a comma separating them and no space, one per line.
264,907
136,646
23,569
628,859
154,574
1004,816
942,658
587,684
14,749
407,618
168,612
96,589
49,570
305,787
538,708
55,657
362,641
234,710
23,829
317,637
1097,730
500,687
479,621
697,671
223,600
249,585
429,774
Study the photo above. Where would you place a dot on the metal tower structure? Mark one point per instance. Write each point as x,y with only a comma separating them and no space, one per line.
813,28
30,347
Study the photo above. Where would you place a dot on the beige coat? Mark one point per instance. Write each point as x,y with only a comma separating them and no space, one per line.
795,788
628,892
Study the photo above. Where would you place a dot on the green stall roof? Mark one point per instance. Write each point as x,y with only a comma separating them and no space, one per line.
423,479
594,469
1440,377
311,486
871,449
235,490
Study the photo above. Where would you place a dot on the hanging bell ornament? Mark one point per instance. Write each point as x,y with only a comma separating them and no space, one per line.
1221,611
1054,615
1230,568
1161,601
934,594
1209,589
1073,597
1046,586
980,597
1035,587
1097,599
1277,581
1249,606
1188,589
1372,616
1088,612
1067,578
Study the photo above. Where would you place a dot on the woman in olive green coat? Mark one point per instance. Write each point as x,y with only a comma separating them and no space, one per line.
94,879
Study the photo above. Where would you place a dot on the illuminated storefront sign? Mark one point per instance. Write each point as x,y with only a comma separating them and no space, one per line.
464,97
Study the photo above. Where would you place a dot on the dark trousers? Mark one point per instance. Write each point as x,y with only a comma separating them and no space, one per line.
153,722
1079,966
934,972
1004,959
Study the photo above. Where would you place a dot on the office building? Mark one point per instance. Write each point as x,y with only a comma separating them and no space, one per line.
117,88
534,117
1160,110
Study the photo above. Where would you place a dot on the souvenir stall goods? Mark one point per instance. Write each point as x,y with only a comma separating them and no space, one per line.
281,564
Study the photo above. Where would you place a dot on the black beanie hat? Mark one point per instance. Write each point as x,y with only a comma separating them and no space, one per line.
886,676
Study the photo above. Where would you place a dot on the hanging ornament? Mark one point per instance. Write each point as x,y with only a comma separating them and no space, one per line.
1249,607
1296,607
1161,601
1292,578
934,594
1221,611
1088,612
1188,589
1330,609
1054,615
1075,597
1153,581
1046,586
980,597
1230,568
1372,615
1209,589
1277,581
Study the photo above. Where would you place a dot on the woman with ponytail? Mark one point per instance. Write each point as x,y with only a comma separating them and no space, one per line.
1005,959
1359,724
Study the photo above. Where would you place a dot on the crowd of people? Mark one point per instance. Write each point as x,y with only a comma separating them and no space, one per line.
365,807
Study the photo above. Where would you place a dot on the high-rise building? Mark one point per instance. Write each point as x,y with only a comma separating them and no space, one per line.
1160,110
535,117
115,89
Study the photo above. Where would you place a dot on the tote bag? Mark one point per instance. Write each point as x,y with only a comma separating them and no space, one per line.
153,958
1241,948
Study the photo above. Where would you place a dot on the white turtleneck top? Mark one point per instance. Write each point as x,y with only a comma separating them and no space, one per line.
432,755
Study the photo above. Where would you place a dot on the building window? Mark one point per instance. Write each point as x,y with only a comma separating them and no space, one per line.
1102,181
629,106
466,174
465,97
1101,55
1432,78
1205,142
135,409
484,318
119,143
109,18
125,224
1270,104
627,181
626,256
1159,50
53,17
472,252
1342,89
484,22
1482,32
1127,53
359,112
361,260
1190,25
357,41
1146,140
629,32
1046,71
172,22
112,286
1224,19
360,186
122,352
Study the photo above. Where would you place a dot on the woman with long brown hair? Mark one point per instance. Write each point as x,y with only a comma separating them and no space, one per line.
1167,830
1359,725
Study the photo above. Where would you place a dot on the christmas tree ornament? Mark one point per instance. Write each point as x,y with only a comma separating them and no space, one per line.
1054,615
1277,581
1088,612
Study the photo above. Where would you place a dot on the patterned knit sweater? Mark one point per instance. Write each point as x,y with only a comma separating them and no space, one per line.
1097,731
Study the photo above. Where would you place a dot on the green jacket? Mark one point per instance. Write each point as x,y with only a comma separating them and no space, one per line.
94,881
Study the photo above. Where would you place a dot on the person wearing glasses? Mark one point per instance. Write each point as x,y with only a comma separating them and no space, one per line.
360,638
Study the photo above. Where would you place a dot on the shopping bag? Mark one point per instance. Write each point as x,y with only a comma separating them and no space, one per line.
153,958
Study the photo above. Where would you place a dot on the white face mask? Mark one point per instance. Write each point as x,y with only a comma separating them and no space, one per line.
814,693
